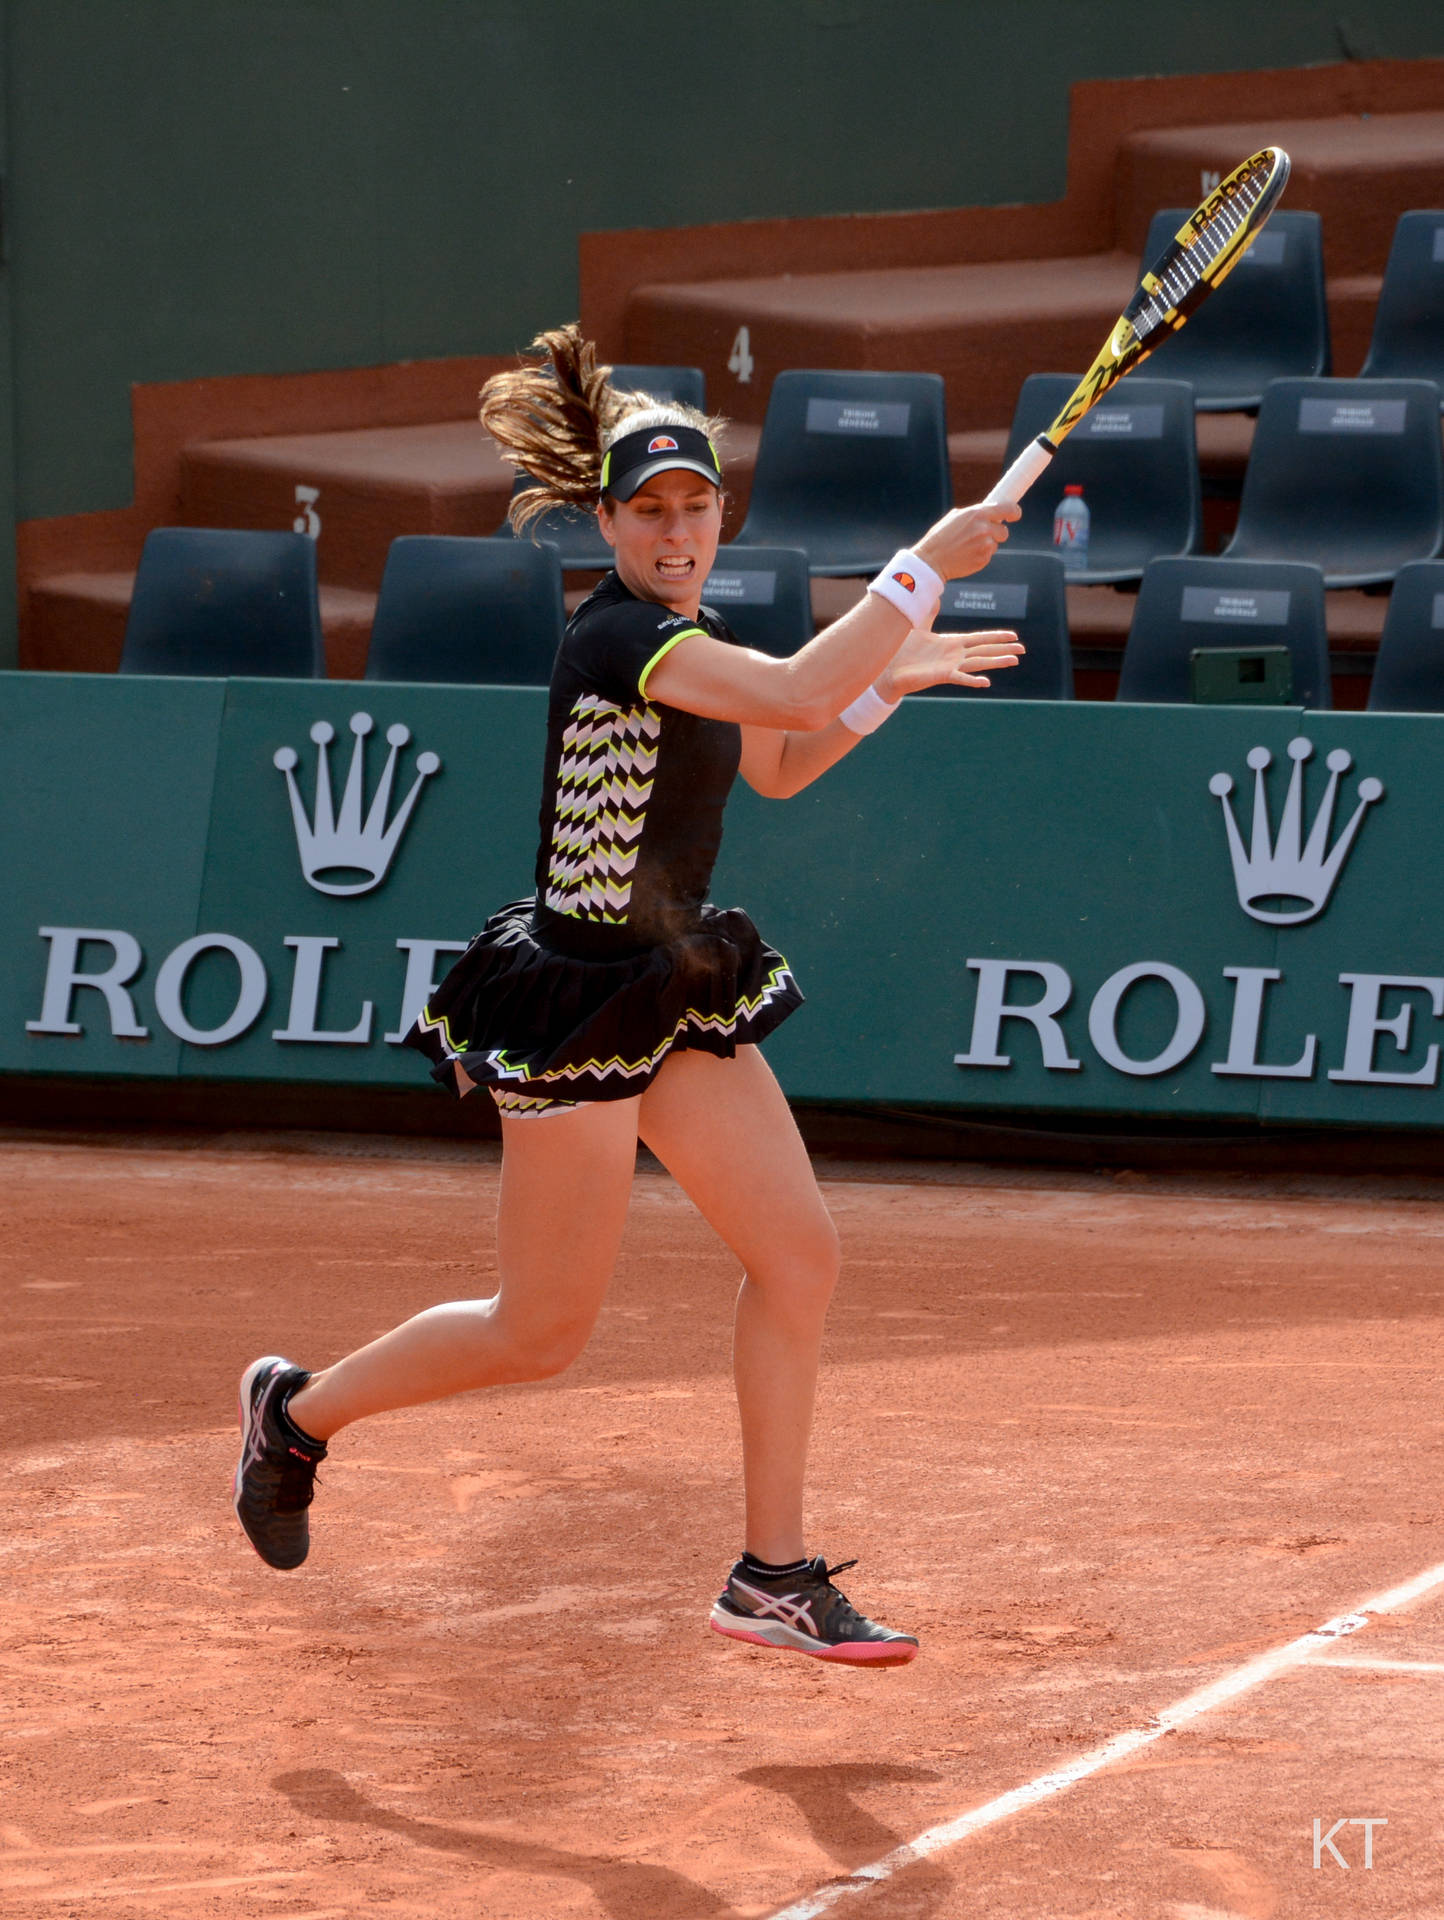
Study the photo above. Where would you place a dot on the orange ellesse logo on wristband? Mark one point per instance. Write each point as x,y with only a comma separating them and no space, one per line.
663,443
906,581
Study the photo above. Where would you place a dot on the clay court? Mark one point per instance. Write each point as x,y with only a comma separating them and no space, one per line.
1103,1440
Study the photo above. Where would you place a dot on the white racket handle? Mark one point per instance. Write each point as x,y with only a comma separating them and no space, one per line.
1032,461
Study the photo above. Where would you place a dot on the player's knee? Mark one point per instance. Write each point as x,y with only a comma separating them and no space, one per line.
803,1273
542,1352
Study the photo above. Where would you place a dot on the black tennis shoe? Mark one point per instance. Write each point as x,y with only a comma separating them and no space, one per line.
276,1474
806,1613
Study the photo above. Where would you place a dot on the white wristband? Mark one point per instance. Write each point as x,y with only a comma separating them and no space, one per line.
867,712
910,585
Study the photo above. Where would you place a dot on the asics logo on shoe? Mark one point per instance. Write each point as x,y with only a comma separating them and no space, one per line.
787,1607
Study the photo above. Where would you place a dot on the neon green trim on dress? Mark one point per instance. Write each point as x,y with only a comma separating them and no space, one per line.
629,1069
687,633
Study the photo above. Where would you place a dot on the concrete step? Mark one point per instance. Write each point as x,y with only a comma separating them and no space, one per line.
359,490
375,483
356,491
1358,171
986,325
77,624
985,328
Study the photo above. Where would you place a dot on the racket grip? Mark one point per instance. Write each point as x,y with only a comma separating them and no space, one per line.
1032,461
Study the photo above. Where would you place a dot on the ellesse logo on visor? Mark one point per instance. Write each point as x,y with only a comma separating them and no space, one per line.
663,443
906,581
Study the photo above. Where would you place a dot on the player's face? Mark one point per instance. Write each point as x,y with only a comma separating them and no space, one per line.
665,538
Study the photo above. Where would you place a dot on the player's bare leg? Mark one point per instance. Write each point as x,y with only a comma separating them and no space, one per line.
565,1184
564,1190
724,1131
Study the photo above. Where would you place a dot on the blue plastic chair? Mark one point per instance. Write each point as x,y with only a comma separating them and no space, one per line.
213,601
467,611
765,596
1345,475
1409,666
686,385
1408,339
1268,321
1136,458
850,467
1184,604
1027,593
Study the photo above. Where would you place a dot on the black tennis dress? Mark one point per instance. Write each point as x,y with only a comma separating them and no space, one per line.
580,993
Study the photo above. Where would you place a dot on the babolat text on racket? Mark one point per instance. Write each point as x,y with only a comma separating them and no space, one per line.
1200,257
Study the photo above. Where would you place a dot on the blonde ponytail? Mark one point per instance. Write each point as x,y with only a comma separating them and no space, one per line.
556,419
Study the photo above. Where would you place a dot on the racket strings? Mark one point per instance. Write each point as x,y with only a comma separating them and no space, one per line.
1180,273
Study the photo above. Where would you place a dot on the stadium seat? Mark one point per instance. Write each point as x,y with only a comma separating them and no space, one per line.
1409,666
765,596
685,384
1345,475
1408,340
220,601
462,610
1027,593
850,467
1136,459
573,530
1268,320
1183,604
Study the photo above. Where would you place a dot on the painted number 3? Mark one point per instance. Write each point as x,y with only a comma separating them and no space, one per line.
307,521
740,360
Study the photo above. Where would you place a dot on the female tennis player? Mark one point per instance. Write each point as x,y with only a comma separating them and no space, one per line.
618,1005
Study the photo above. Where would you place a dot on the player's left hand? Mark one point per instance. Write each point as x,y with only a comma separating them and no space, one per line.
928,659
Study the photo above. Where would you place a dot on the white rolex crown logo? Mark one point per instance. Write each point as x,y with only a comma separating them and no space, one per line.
344,853
1289,880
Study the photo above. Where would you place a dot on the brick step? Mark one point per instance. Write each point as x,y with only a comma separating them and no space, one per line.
1359,172
984,327
77,624
371,485
77,619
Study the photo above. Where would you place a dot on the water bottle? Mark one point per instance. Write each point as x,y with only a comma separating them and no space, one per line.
1070,530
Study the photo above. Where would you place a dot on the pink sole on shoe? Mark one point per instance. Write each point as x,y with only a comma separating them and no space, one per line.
856,1653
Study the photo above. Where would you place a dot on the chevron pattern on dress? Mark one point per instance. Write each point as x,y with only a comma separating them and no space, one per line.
604,781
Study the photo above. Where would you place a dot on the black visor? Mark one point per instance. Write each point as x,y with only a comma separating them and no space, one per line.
631,461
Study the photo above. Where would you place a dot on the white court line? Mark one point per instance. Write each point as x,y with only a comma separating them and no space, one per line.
1388,1666
1242,1680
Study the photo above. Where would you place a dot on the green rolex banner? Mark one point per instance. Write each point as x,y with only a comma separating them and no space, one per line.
991,905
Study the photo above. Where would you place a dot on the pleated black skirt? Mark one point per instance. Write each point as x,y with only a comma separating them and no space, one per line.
558,1009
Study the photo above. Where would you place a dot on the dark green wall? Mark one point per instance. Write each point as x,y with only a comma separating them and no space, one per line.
1077,845
228,186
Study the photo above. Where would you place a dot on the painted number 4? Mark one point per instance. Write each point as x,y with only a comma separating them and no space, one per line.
740,359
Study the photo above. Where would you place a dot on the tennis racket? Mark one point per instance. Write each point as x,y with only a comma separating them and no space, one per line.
1200,257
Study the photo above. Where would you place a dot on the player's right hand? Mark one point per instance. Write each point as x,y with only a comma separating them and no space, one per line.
965,540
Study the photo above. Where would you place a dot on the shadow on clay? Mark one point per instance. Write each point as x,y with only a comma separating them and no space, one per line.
626,1889
846,1831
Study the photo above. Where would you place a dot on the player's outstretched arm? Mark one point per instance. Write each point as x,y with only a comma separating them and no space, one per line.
808,692
781,764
